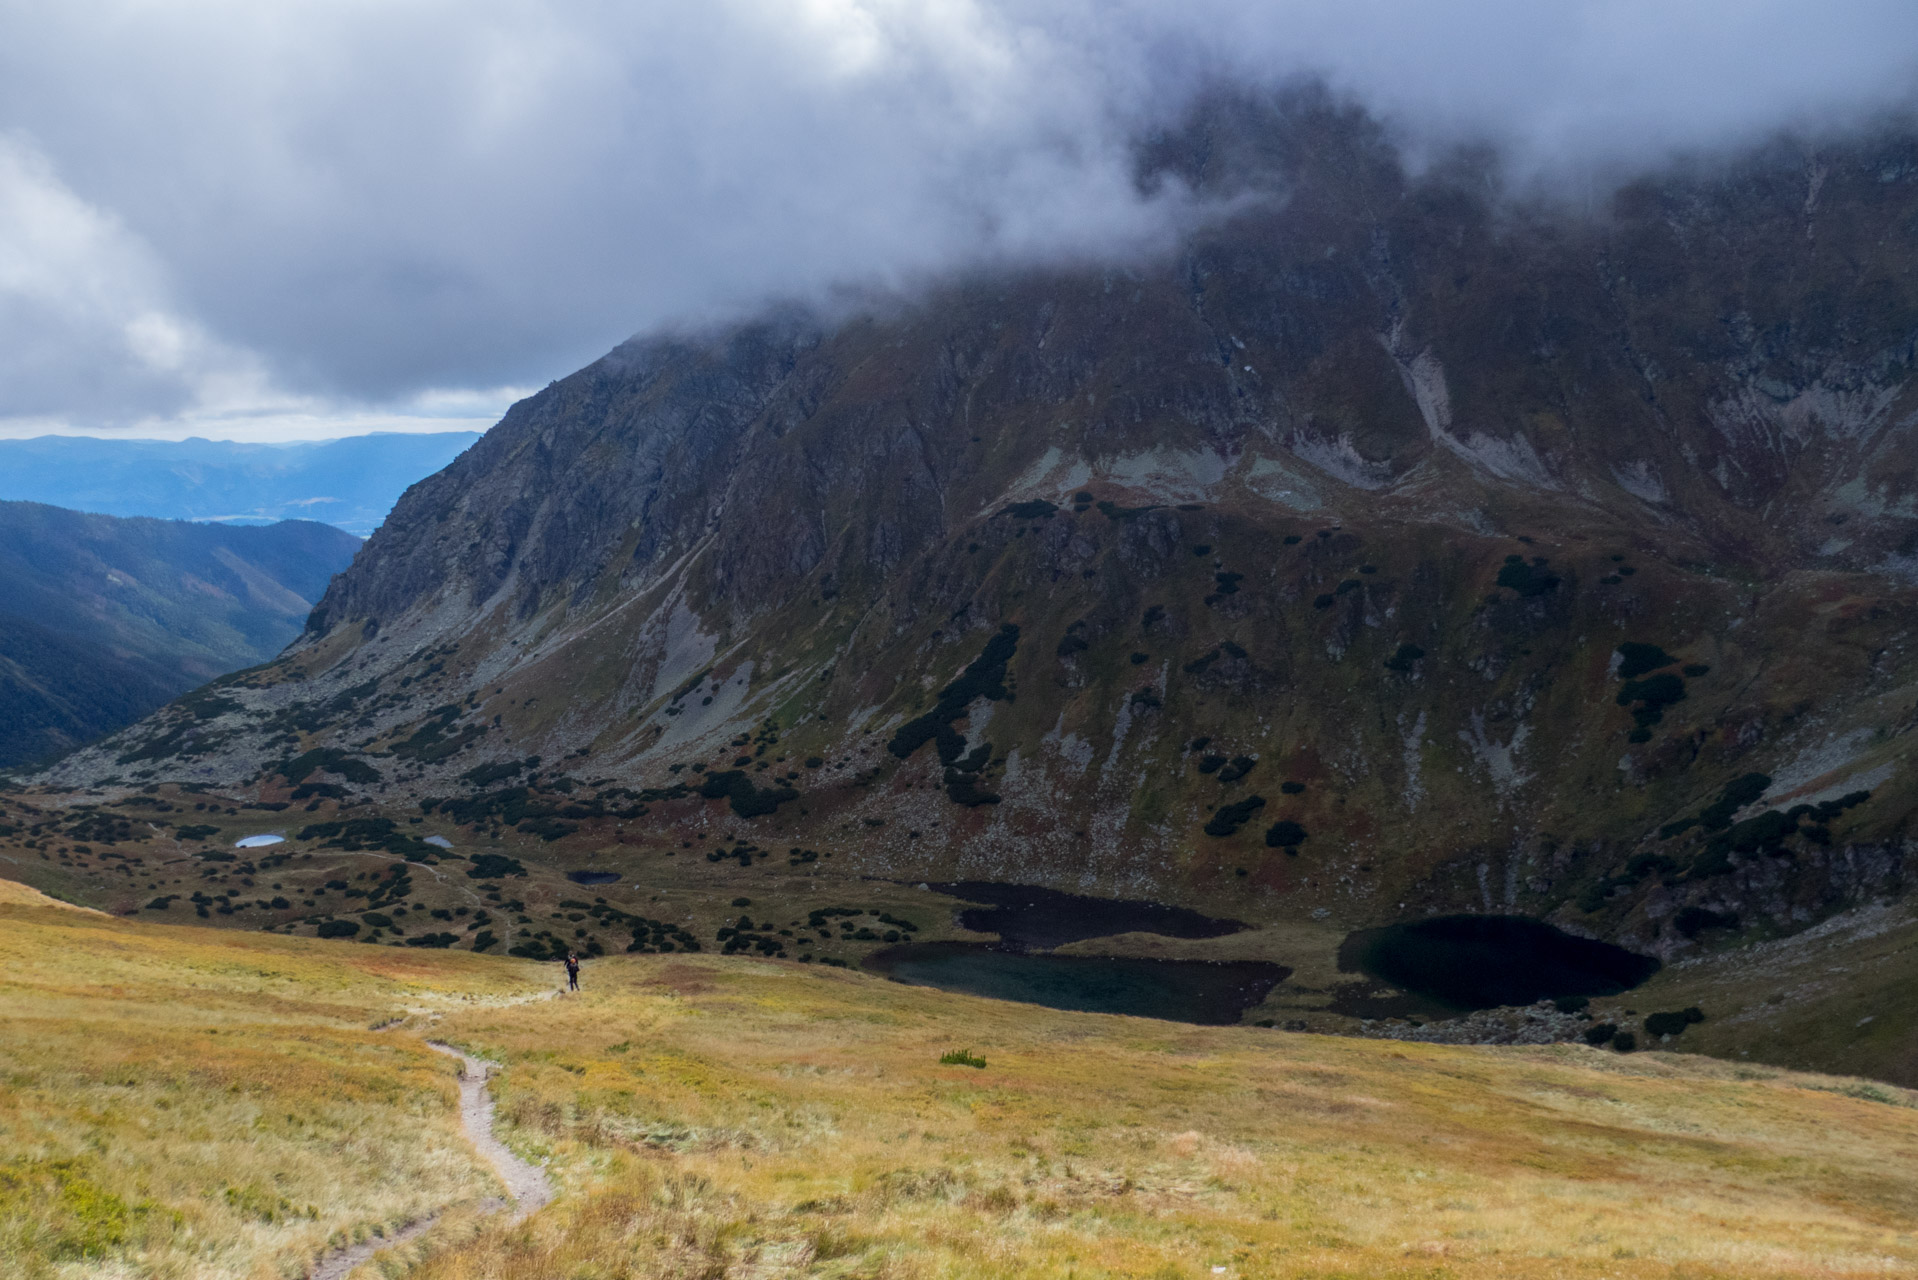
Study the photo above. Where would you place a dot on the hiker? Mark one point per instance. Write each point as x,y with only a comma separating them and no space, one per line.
572,971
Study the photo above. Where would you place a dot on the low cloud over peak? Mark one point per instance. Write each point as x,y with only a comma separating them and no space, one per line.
231,211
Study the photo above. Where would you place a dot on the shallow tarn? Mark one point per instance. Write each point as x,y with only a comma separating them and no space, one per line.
1179,990
1483,962
1029,919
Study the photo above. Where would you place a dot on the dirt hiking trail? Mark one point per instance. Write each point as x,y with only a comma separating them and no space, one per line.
527,1185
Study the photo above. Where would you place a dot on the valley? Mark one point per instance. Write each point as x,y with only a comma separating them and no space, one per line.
1089,642
103,619
189,1100
1405,619
1835,998
1395,548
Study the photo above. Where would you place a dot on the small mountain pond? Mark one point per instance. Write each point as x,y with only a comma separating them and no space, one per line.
1028,918
1462,963
1178,990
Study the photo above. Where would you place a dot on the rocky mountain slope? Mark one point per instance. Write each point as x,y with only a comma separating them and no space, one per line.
103,619
1396,545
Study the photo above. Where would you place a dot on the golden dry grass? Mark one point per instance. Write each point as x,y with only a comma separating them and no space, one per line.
15,894
717,1117
190,1103
173,1100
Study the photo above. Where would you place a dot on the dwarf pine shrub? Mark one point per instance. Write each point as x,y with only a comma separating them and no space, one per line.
1285,834
1229,818
1637,659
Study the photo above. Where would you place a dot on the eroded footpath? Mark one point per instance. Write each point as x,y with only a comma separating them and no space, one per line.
527,1186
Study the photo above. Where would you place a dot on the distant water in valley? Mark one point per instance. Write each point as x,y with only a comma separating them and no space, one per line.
1178,990
1482,962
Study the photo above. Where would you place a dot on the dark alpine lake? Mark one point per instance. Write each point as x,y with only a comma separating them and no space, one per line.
1029,919
1481,962
1179,990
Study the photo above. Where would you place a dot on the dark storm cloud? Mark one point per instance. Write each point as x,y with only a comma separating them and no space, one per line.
223,206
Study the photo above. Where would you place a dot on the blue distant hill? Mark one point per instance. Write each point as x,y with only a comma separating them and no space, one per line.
350,483
104,618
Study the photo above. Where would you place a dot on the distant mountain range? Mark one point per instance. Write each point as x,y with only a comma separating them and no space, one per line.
103,619
350,483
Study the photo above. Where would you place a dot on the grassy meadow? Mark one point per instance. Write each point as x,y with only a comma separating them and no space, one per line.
185,1102
191,1103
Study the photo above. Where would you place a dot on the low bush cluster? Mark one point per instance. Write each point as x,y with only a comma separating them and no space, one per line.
1735,795
1636,870
430,743
962,777
1674,1022
1229,818
295,769
1636,658
1649,697
744,935
1285,834
1692,921
852,926
1403,658
361,834
1235,768
487,774
1527,579
532,813
1228,584
648,935
747,800
1037,509
743,852
1765,832
984,677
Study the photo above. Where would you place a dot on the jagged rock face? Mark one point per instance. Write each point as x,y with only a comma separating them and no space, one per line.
1380,471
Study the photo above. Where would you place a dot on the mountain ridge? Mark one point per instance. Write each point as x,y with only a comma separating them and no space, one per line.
1379,472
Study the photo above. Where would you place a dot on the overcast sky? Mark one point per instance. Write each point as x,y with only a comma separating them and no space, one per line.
318,217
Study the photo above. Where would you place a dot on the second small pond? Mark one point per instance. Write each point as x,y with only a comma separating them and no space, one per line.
1482,962
1179,990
